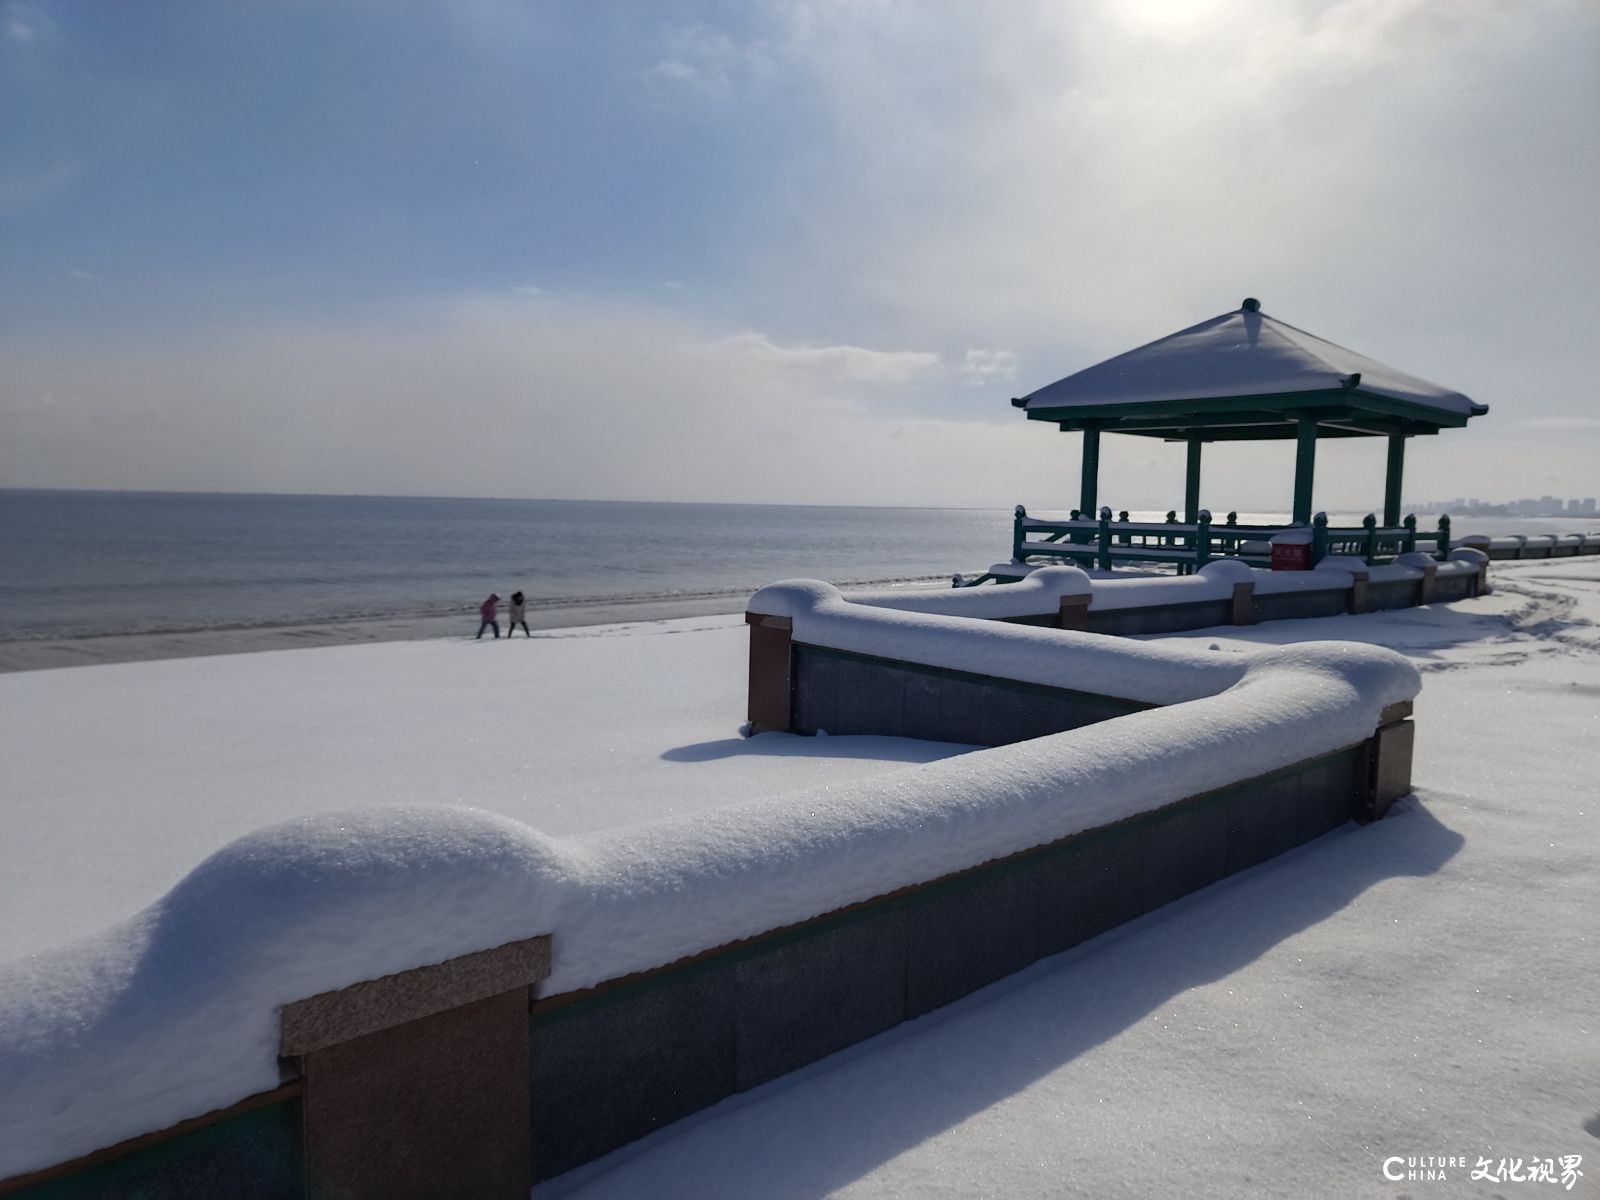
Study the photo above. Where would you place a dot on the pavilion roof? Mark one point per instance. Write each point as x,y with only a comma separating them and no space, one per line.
1244,374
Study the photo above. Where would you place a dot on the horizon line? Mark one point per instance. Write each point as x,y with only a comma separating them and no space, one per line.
129,491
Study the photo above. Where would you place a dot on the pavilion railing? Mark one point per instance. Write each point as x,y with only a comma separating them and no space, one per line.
1375,544
1107,541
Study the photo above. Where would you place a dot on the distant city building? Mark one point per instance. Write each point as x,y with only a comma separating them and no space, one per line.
1544,506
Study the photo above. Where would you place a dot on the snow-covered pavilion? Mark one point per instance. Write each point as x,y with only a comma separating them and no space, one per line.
1246,376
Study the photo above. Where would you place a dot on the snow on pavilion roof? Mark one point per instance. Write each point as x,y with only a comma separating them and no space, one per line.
1241,355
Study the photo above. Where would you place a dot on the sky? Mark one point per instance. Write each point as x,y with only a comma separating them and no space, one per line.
786,252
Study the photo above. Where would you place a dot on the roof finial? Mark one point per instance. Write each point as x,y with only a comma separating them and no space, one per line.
1251,304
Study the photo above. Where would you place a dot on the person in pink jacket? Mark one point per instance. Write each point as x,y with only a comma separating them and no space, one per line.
487,611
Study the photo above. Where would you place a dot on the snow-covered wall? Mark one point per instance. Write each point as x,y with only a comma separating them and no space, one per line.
1547,545
1040,591
174,1013
1085,662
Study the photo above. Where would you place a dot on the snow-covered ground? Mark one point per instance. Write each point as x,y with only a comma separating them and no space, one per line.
119,779
1421,987
172,1011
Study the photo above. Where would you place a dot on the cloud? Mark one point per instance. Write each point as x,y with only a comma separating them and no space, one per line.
1082,178
547,396
707,62
492,395
862,204
986,366
25,23
854,363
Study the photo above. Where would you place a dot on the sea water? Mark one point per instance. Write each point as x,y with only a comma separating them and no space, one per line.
79,563
136,562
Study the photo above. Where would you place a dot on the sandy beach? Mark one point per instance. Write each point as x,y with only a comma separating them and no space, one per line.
44,653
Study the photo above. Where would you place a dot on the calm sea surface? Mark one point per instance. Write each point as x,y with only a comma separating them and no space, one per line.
127,562
122,562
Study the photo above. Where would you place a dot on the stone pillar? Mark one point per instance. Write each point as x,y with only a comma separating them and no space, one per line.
1073,613
1243,611
771,664
1388,762
1425,584
1358,591
418,1084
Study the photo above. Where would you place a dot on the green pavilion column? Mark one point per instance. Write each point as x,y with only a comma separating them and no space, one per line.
1392,482
1191,483
1090,487
1305,467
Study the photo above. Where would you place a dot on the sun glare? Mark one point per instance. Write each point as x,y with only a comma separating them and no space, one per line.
1170,18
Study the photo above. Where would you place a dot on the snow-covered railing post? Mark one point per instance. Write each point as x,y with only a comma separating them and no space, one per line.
1017,519
1124,538
1369,540
1409,543
1319,538
1103,541
1202,540
418,1083
771,667
1441,549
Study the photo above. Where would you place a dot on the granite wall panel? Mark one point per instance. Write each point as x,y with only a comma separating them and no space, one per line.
967,932
1261,821
804,997
1294,606
846,693
751,1012
1168,618
1394,593
254,1156
629,1062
